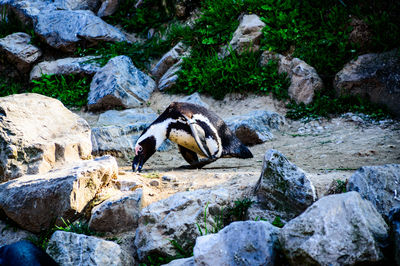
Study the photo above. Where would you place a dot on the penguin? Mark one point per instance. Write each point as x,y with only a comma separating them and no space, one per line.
198,133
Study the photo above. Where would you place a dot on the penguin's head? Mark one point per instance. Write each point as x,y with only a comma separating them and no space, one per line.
144,149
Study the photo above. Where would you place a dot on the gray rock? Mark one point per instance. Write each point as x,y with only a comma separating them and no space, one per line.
28,11
18,50
77,4
127,117
33,138
394,220
284,187
107,8
63,29
194,98
34,201
375,77
168,60
304,79
119,84
10,234
68,248
240,243
176,218
118,214
169,79
255,127
340,229
76,65
182,262
378,184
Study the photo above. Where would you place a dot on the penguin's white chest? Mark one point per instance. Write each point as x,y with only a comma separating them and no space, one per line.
186,140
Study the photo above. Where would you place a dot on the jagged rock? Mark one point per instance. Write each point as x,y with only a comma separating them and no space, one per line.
118,214
247,36
107,8
284,187
194,98
68,248
340,229
10,234
378,184
304,80
169,79
77,4
176,218
119,84
168,60
255,127
76,65
33,138
35,201
394,220
63,29
182,262
18,50
27,11
375,77
127,117
240,243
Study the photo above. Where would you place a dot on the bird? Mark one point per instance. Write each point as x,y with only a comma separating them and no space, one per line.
198,133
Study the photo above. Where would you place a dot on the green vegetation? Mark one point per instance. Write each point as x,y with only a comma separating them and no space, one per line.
277,222
8,87
71,90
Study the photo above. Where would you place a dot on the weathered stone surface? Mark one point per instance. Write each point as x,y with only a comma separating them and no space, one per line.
255,127
194,98
169,79
63,29
77,4
34,201
304,80
76,65
119,84
33,138
28,11
118,214
107,8
340,229
375,77
240,243
127,117
283,186
247,36
68,248
10,234
18,50
378,184
168,60
182,262
394,221
176,218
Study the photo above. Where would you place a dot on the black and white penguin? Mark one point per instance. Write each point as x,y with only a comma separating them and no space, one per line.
196,130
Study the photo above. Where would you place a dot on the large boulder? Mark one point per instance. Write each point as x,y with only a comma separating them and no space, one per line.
304,79
19,51
340,229
255,127
117,214
27,11
375,77
284,187
72,65
37,133
168,60
177,218
34,202
240,243
378,184
64,29
68,248
119,84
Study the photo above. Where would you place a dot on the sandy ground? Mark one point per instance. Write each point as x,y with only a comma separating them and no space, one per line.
325,149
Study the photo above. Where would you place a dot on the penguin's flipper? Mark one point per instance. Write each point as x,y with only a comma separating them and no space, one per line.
199,136
188,155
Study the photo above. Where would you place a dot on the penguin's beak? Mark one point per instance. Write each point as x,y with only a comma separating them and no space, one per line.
137,163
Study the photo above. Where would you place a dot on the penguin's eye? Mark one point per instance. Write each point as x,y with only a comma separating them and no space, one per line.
140,148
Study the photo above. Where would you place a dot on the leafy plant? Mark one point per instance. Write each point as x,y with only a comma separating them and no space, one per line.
71,90
77,227
277,222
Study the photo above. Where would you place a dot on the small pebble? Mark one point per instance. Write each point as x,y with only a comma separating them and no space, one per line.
154,183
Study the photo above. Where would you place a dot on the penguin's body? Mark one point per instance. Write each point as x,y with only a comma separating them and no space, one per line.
197,131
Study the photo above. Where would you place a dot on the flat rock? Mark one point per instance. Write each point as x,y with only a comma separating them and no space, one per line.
119,84
66,66
240,243
255,127
375,77
68,248
194,98
340,229
127,117
378,184
118,214
284,187
18,50
182,262
35,201
63,29
32,138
